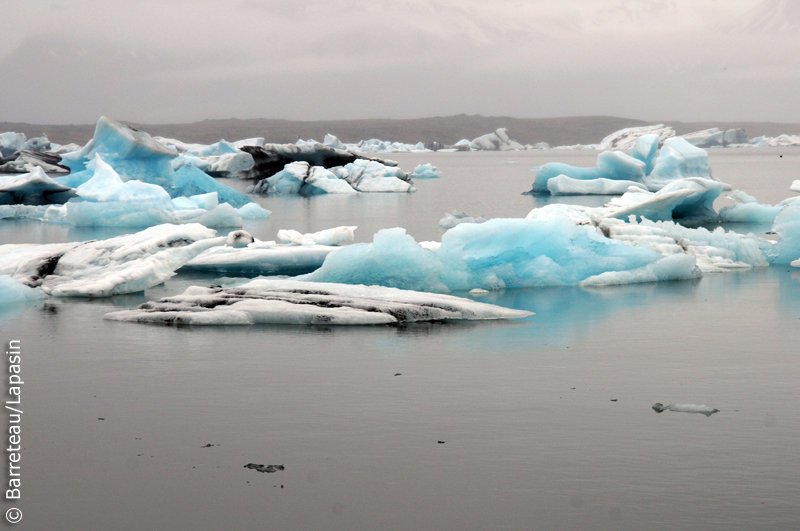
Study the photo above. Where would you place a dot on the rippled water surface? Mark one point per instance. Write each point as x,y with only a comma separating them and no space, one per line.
546,422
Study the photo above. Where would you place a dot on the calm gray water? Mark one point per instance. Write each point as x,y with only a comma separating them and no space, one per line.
546,422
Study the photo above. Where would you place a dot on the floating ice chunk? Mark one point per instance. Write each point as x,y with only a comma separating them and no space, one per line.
450,220
715,251
321,181
706,138
12,291
372,176
563,185
287,181
34,188
293,302
253,211
787,226
683,198
685,408
425,171
10,143
747,210
795,186
478,292
124,264
497,254
777,141
25,161
678,159
262,258
611,165
333,142
626,139
334,236
497,141
133,154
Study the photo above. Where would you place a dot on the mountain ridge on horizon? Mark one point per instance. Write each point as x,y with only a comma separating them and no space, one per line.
442,129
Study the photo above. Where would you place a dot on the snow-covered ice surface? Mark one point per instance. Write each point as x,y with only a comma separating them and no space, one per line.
125,264
306,303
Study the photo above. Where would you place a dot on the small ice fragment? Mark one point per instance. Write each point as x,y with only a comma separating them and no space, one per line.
685,408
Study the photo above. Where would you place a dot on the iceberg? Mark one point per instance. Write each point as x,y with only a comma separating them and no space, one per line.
125,264
706,138
12,291
611,165
305,303
450,220
425,171
777,141
787,226
334,236
500,253
133,154
296,254
497,141
34,188
626,139
25,161
677,159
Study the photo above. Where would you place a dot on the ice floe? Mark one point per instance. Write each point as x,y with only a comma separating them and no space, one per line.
124,264
294,255
451,219
685,408
304,303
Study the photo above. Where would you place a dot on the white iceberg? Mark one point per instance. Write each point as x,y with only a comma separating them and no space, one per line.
497,141
451,219
626,139
304,303
125,264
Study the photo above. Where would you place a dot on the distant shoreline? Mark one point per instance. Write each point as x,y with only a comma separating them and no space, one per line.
446,130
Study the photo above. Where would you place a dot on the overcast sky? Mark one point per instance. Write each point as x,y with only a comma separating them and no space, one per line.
187,60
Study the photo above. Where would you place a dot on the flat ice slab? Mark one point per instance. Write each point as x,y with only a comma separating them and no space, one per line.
685,408
296,302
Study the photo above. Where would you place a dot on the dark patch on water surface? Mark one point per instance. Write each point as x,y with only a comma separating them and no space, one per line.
269,469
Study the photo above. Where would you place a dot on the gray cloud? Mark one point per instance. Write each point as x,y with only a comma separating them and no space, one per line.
183,60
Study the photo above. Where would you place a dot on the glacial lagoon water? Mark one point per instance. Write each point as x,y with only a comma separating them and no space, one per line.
545,423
